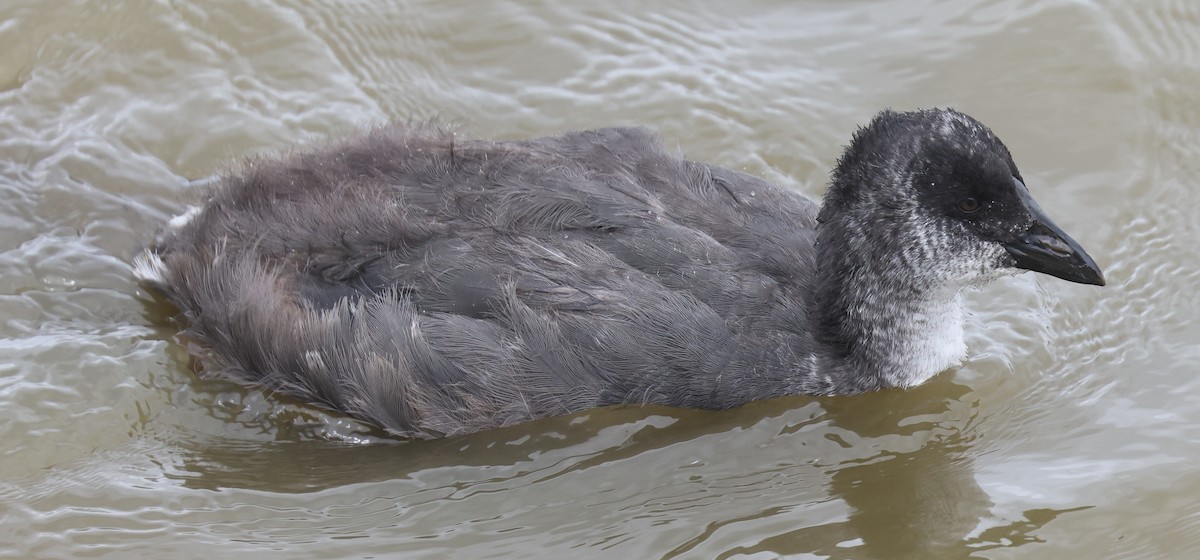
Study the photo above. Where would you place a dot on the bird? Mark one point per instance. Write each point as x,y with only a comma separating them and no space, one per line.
432,285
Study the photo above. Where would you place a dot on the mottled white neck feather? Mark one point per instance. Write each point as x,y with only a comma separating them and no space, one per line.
930,340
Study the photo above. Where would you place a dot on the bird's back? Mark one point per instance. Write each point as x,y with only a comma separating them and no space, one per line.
432,285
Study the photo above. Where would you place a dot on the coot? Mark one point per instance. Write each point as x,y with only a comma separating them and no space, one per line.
432,285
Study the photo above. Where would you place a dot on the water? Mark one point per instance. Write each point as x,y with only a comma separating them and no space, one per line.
1072,430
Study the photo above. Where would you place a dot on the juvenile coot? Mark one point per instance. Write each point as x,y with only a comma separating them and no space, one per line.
432,285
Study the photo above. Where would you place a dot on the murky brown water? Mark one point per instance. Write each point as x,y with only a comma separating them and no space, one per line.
1073,430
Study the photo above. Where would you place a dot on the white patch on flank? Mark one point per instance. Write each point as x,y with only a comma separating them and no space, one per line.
149,267
185,218
314,360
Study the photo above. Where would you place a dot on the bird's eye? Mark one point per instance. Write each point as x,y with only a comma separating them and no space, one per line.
968,205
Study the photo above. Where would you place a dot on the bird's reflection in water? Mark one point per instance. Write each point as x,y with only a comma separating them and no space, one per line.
905,471
917,503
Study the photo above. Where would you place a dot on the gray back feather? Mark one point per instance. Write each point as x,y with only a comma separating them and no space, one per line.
435,286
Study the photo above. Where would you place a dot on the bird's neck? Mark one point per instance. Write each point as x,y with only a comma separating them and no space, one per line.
879,323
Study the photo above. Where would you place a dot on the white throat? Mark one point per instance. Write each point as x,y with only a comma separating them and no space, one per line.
929,339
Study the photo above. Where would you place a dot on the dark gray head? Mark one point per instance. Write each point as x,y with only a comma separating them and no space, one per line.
936,193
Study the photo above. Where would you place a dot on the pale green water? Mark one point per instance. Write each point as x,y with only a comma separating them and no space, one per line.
1072,431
